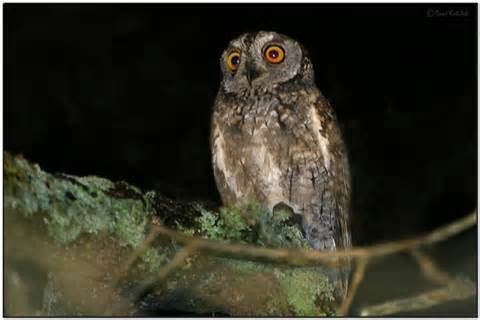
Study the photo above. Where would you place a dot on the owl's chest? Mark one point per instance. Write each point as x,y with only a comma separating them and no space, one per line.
257,138
252,146
254,169
257,152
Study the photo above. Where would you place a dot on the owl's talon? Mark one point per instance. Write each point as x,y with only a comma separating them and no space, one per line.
294,218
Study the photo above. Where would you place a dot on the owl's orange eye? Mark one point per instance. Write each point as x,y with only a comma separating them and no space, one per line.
274,54
233,60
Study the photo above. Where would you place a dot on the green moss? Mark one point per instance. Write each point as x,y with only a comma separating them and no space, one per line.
276,230
71,206
304,287
9,171
281,216
149,201
151,261
183,229
255,210
231,224
211,225
252,223
131,224
93,183
244,266
307,290
234,223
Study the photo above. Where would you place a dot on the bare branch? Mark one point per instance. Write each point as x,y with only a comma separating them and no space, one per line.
176,261
302,257
163,273
122,272
357,279
152,235
460,290
429,269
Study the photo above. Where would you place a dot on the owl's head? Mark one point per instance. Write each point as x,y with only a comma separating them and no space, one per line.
263,60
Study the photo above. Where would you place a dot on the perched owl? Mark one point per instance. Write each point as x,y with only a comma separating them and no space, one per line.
275,139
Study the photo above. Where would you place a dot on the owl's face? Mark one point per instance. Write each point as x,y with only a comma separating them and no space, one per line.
260,60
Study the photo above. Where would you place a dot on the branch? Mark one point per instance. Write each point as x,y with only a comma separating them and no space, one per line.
430,270
89,246
356,280
302,257
458,291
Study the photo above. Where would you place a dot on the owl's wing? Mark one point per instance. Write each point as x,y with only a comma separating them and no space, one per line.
326,193
343,211
335,202
217,147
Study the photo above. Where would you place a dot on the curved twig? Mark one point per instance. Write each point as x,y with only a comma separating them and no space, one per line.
357,278
460,290
429,268
302,257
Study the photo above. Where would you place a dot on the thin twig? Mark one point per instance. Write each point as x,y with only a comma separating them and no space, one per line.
176,261
170,266
461,290
152,235
160,276
356,280
299,257
302,257
429,269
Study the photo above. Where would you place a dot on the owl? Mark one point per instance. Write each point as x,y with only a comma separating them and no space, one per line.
275,139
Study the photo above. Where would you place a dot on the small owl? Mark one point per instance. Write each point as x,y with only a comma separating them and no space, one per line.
275,139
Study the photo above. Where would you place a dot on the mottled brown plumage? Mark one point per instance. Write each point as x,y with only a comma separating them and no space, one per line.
275,139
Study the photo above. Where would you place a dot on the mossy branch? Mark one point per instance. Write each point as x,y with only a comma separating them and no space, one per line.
305,257
89,246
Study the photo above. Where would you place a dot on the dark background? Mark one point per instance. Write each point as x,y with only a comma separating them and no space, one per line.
126,91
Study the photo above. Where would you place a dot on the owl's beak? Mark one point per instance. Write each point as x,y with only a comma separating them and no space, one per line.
251,72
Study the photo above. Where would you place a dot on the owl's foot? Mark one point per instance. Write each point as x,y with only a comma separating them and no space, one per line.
293,220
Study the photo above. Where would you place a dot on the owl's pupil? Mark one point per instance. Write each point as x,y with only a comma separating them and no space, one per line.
235,60
273,54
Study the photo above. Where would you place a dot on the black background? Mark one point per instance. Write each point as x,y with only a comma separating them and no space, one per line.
125,92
